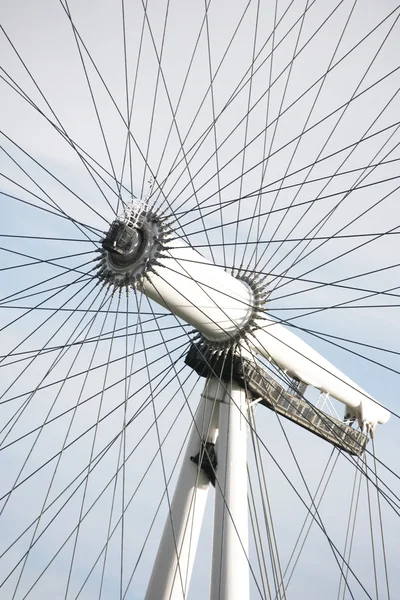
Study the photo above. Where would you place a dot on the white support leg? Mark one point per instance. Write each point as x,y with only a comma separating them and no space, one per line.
172,569
230,568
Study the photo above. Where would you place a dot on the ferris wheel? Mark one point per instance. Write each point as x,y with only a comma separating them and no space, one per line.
199,308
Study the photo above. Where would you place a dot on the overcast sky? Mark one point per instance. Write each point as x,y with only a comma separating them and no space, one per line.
335,132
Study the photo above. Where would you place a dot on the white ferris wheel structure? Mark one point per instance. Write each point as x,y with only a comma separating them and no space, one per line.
200,222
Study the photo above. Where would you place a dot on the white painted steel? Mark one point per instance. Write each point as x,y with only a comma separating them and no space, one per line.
218,305
230,567
298,359
200,293
173,566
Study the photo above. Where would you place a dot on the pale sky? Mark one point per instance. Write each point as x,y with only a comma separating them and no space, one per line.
348,124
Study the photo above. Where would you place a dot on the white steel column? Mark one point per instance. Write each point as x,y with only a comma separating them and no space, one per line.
230,569
173,566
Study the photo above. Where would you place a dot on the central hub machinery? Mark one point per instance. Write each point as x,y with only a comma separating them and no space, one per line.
140,250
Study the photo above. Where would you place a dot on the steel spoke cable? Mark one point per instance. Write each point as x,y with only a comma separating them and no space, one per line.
381,524
319,284
38,434
197,145
84,155
129,107
55,468
323,336
48,318
38,261
268,514
67,271
258,540
292,240
51,212
70,535
212,99
201,139
354,500
50,201
312,109
295,101
266,187
80,342
299,204
267,111
266,511
95,106
281,376
371,532
21,409
112,100
277,122
339,282
160,76
316,515
355,185
162,461
42,95
45,238
110,532
159,57
63,413
177,108
361,178
246,124
369,295
299,140
356,247
266,507
352,524
292,557
100,455
95,432
22,94
203,449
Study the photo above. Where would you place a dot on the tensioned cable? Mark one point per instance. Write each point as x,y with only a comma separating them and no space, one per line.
95,432
100,455
129,105
57,463
52,112
276,125
246,124
177,162
333,129
303,94
205,134
50,201
362,177
265,188
98,497
21,409
385,562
